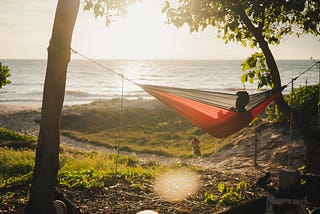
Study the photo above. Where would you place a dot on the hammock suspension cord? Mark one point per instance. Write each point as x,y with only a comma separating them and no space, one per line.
203,108
120,125
102,66
123,77
316,63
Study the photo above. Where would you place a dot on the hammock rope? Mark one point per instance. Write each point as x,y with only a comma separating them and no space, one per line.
120,124
215,112
316,63
102,66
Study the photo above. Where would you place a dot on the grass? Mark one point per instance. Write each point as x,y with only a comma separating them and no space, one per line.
158,130
77,169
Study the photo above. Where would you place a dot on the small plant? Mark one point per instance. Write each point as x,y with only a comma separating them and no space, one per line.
228,196
209,198
4,74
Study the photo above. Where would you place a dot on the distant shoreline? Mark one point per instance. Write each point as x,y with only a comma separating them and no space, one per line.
156,59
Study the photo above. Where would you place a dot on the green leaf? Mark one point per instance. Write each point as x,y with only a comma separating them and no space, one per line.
244,78
245,66
222,187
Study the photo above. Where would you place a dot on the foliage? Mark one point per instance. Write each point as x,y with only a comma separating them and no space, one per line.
236,20
15,163
4,74
6,134
255,68
273,113
107,8
305,101
78,169
15,140
209,198
253,23
228,196
16,182
157,130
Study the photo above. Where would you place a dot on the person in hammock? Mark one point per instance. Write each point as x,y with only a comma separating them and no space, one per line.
194,143
241,102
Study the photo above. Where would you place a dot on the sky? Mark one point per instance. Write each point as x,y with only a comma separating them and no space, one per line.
26,26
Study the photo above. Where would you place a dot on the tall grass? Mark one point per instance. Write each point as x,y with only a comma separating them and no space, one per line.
77,169
15,162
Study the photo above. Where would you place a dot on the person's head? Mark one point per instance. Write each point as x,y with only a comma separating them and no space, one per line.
242,100
195,140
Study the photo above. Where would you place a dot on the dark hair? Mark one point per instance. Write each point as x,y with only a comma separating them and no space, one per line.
242,100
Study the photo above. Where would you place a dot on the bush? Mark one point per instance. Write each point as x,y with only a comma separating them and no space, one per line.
305,102
4,74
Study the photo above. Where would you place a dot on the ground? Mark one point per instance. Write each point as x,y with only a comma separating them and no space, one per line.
231,164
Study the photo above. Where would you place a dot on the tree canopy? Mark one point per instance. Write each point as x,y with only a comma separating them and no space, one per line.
243,20
253,23
108,8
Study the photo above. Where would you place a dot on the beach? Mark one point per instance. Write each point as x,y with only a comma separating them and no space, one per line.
236,157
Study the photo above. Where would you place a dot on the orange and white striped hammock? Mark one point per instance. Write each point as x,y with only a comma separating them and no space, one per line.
214,112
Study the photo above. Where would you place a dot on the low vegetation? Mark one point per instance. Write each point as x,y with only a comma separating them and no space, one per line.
97,178
158,130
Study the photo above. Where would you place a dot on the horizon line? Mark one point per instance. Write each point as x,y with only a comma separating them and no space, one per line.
167,59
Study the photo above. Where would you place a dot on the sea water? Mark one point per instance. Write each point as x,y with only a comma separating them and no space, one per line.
88,81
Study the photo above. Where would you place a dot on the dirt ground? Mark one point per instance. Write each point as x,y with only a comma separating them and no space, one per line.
232,164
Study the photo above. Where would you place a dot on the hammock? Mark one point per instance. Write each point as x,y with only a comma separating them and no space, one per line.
214,112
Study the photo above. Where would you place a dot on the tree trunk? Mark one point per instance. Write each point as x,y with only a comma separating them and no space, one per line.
47,153
272,65
310,137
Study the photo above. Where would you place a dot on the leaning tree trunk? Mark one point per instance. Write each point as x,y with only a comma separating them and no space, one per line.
310,137
47,154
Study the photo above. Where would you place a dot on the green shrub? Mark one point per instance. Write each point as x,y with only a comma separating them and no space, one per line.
6,134
228,196
305,101
15,163
4,74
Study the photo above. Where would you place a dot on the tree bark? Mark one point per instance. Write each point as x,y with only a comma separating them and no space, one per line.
310,137
272,65
47,153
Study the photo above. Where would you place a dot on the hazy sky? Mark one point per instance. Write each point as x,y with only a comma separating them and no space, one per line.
25,29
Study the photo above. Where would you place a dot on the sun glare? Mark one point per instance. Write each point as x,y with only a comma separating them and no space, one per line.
177,184
141,34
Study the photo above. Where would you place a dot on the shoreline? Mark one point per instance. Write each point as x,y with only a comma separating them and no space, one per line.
24,117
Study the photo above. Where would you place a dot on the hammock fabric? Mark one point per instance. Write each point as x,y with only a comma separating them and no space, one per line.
214,112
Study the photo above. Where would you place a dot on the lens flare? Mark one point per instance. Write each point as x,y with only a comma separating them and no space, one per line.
177,184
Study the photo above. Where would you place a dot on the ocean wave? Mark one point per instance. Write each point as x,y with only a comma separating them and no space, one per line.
76,93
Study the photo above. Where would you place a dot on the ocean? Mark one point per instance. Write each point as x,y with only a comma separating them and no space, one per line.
87,81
